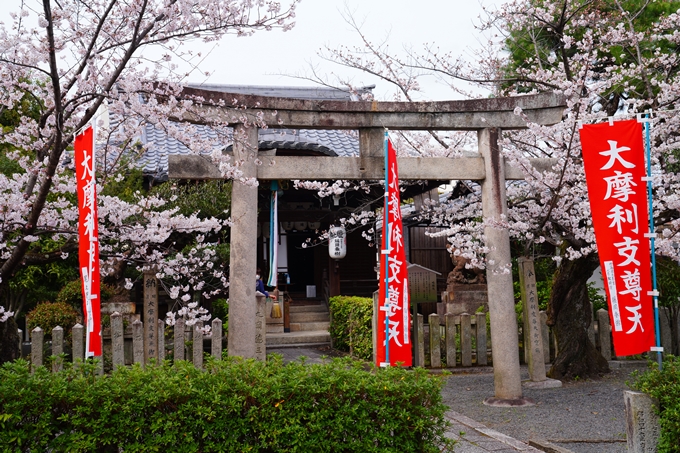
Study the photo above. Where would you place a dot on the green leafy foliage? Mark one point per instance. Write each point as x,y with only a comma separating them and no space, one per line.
206,198
351,325
665,387
220,309
48,315
127,188
233,406
597,300
72,293
668,281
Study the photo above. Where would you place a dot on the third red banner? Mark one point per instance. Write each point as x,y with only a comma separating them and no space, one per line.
613,156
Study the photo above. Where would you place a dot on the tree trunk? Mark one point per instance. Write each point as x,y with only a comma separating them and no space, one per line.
9,341
570,314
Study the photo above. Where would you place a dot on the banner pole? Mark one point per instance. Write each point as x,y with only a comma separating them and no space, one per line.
273,236
655,292
386,234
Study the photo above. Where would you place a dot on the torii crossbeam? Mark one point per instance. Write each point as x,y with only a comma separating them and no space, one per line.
486,116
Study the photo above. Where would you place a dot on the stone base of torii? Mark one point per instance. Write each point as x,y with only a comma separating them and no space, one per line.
486,116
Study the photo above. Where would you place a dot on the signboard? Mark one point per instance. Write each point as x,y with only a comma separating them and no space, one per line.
422,283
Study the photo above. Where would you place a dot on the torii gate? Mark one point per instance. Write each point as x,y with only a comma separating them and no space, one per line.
486,116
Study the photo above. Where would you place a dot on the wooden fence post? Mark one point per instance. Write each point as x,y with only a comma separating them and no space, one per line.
603,331
481,339
450,334
138,342
216,340
465,340
78,349
178,341
37,338
435,341
665,330
117,340
421,340
545,336
161,341
197,334
57,348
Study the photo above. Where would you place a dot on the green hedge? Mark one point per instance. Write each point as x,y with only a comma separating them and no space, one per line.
665,387
351,328
233,406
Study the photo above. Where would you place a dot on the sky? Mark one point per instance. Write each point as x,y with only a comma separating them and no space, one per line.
275,57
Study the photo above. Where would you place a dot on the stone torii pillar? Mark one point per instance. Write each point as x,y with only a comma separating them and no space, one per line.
242,256
504,338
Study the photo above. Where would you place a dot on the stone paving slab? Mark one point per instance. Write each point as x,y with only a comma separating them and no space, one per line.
474,437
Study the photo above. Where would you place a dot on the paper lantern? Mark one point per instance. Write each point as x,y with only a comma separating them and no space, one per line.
337,242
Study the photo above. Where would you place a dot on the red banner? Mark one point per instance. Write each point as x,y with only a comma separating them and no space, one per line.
613,156
88,245
394,306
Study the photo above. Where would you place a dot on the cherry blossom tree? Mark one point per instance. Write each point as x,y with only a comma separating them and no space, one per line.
111,62
609,58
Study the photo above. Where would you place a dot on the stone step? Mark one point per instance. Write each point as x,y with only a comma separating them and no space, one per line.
309,326
308,308
301,337
312,316
274,328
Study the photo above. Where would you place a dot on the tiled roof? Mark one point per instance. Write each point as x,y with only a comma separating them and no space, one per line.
329,142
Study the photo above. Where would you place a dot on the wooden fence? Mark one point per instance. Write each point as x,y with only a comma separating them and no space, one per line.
458,340
184,346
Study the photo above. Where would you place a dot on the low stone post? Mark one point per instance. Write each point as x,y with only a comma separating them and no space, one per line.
604,332
77,338
197,333
435,341
138,342
481,339
37,345
465,340
450,334
642,422
117,340
178,342
57,348
216,339
532,334
260,328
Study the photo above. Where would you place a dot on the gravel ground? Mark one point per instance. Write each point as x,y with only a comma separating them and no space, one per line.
583,416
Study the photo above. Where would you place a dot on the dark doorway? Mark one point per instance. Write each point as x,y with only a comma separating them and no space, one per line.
300,262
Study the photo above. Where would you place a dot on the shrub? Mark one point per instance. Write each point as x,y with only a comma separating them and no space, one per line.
351,325
235,405
72,294
48,315
220,309
665,387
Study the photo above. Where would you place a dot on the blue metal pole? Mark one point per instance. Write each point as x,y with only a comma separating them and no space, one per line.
648,149
386,252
